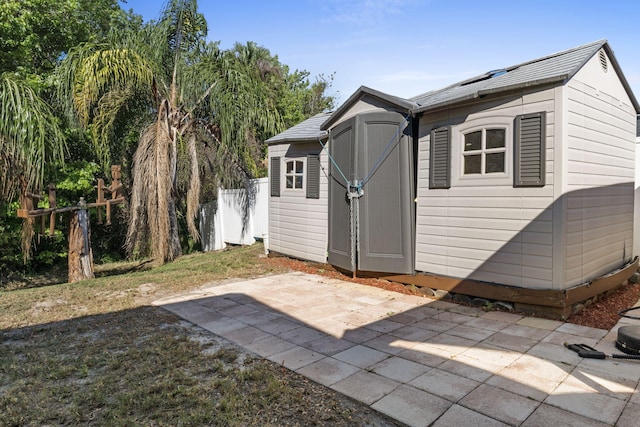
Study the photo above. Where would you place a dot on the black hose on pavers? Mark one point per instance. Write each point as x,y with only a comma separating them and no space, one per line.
628,342
623,313
589,352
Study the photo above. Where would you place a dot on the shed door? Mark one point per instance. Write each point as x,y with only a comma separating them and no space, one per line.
341,148
358,146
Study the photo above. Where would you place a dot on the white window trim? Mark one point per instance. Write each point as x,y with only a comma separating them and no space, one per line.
457,164
286,160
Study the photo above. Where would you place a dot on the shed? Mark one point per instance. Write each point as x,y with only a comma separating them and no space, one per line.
516,185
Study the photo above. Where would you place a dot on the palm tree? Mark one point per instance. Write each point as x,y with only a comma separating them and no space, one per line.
29,139
29,136
193,94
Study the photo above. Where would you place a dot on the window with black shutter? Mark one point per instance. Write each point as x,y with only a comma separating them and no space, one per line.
529,150
274,177
313,176
440,159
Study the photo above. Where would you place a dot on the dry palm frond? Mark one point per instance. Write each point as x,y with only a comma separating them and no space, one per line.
26,238
193,194
151,191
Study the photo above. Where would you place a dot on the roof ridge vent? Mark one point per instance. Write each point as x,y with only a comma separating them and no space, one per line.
486,76
496,73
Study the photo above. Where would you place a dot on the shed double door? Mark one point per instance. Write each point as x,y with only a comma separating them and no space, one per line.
386,211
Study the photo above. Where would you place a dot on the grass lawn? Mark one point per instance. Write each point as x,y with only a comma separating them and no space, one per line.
96,353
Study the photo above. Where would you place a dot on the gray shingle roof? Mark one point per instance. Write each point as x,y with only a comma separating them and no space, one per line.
306,131
557,67
401,103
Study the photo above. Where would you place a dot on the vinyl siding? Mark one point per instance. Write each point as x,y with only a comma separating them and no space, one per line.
482,227
297,225
600,169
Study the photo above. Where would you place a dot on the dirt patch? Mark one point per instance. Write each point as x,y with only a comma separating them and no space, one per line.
602,314
47,305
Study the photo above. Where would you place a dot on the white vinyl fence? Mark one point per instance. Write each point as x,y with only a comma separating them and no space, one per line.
238,217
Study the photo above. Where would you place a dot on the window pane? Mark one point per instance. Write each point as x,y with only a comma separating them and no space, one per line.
289,181
495,162
472,164
473,141
299,167
495,138
290,166
298,181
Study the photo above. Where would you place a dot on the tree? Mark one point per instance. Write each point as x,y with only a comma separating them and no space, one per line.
35,33
193,94
34,36
29,136
29,139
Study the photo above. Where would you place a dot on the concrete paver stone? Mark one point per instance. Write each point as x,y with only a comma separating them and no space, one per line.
500,404
470,332
511,342
296,357
445,384
470,367
399,369
460,416
269,345
328,371
630,416
328,345
502,316
525,331
547,415
537,322
591,405
361,356
365,386
411,406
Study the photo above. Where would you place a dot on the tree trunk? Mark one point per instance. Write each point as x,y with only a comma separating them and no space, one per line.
80,255
175,249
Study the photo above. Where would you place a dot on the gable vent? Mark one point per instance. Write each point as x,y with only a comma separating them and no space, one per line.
603,61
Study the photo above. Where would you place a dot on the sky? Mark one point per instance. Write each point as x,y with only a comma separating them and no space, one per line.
408,47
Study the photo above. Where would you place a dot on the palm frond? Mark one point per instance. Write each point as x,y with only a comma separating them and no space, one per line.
96,81
151,192
29,136
193,193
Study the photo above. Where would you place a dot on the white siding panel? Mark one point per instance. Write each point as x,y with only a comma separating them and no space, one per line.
537,261
297,225
600,171
543,275
484,228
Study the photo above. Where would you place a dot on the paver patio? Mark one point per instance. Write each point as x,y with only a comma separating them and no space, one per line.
421,361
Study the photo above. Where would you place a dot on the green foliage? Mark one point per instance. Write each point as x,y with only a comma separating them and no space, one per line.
79,177
113,72
301,99
47,253
34,34
10,255
30,137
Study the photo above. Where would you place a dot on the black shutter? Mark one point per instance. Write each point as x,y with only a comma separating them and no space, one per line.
440,158
274,177
313,176
529,150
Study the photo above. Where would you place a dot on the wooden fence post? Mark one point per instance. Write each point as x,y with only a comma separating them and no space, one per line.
80,254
